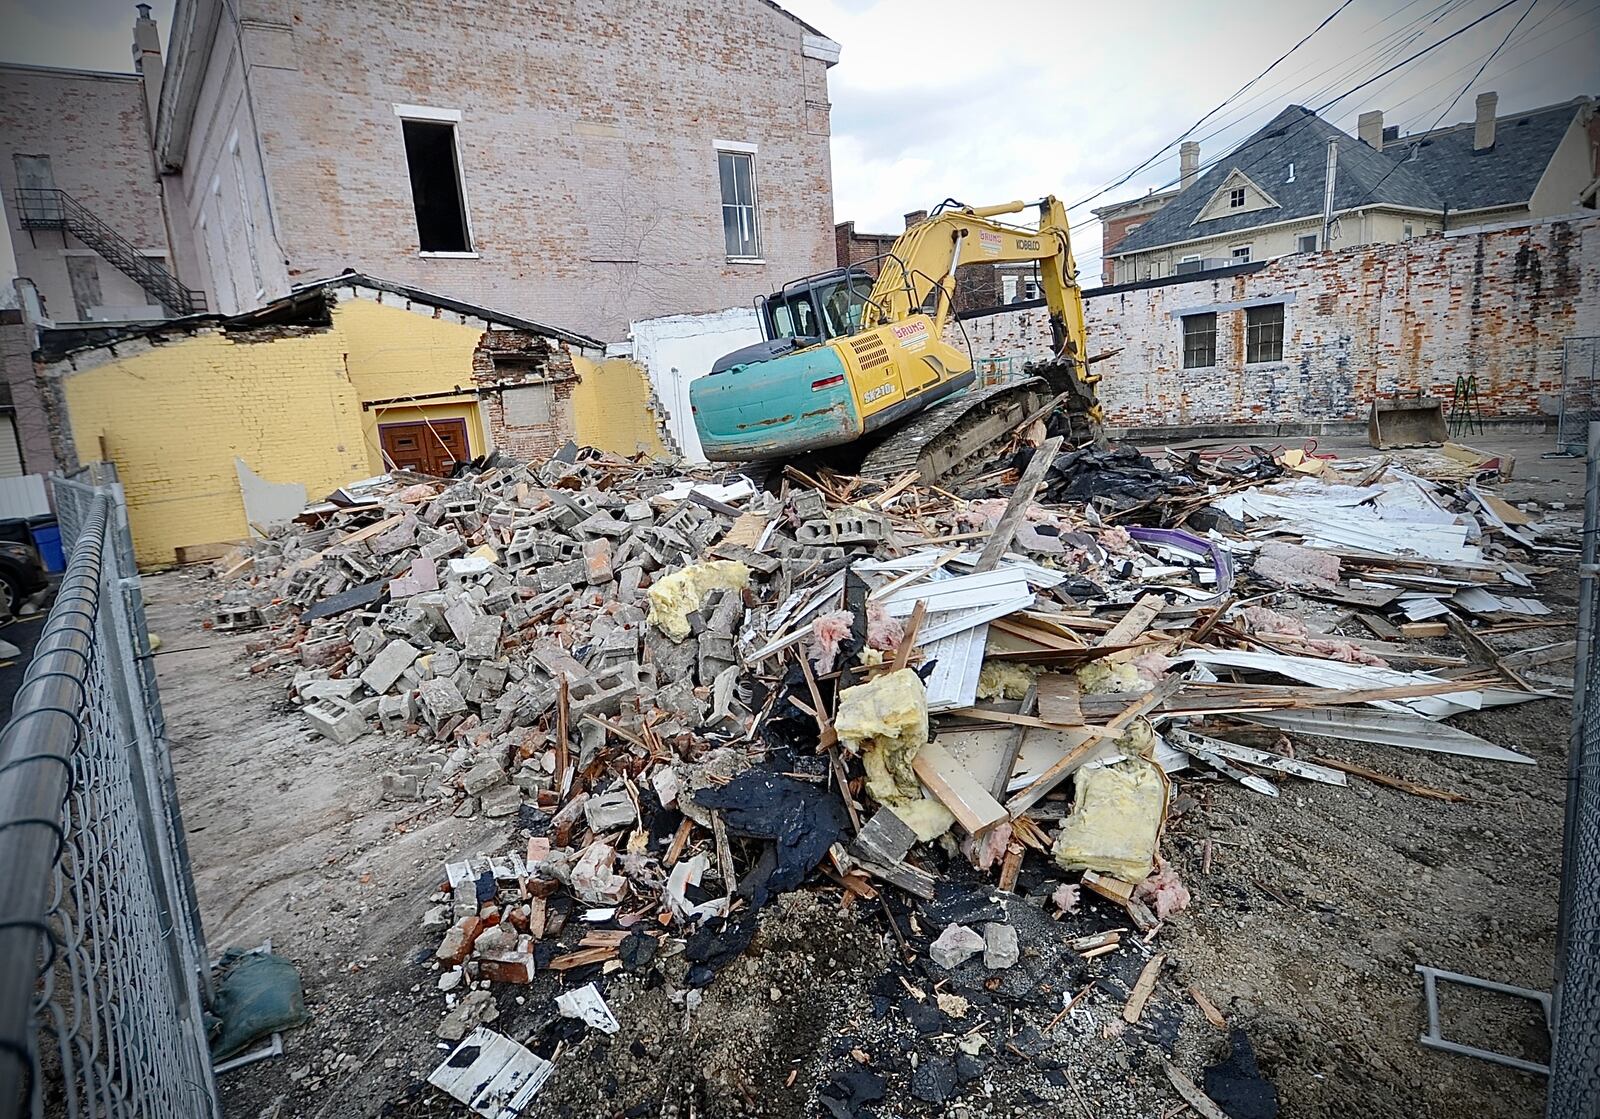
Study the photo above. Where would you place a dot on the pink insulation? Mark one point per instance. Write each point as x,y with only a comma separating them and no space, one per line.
883,632
1065,898
1163,891
827,633
989,848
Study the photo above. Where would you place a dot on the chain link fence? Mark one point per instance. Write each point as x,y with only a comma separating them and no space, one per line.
1575,1056
1580,393
102,963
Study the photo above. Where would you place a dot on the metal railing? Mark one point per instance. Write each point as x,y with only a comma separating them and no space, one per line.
102,963
49,208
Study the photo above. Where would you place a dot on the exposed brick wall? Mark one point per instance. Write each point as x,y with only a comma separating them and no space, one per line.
92,126
588,148
16,362
1372,320
506,358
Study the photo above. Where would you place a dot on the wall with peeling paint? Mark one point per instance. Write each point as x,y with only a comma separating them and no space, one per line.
1494,303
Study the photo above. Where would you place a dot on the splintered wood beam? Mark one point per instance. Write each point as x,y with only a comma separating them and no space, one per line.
955,788
1142,987
1013,747
1134,622
1006,528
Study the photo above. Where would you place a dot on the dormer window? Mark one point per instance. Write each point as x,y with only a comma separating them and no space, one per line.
1236,198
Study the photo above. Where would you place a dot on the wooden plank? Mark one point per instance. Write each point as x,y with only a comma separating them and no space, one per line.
886,839
1011,866
1355,596
1192,1095
1380,627
1142,988
1006,529
1050,778
1060,699
911,879
902,655
1208,1008
1414,630
948,780
1013,747
1014,718
1133,623
1394,782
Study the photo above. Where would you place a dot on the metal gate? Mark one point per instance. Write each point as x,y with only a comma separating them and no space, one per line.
1580,393
102,963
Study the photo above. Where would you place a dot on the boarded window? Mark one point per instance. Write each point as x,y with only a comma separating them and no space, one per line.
528,405
83,273
740,233
436,186
1200,340
1263,333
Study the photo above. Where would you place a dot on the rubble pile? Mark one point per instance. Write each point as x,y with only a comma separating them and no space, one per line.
964,716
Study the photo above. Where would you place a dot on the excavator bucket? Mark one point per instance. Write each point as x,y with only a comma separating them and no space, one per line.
1407,421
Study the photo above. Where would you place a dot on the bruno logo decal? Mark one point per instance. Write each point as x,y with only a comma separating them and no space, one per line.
990,243
911,335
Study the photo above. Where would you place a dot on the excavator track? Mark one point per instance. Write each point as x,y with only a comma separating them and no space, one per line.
957,437
948,438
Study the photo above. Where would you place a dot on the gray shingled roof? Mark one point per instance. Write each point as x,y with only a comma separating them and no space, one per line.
1504,175
1446,170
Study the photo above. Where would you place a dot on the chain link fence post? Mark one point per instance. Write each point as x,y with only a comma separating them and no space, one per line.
1574,1091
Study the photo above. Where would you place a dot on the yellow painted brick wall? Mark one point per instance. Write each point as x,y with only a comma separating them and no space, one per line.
174,418
611,407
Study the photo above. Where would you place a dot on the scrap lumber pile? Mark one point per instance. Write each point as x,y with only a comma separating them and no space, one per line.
960,715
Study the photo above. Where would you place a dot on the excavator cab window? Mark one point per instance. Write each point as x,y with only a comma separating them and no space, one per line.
819,307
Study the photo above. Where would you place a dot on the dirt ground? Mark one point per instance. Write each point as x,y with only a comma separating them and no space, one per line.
1305,933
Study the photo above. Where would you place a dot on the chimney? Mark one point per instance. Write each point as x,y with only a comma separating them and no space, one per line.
916,217
1188,163
147,59
1483,135
1369,127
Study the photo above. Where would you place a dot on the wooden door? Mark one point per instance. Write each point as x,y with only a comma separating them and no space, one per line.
428,448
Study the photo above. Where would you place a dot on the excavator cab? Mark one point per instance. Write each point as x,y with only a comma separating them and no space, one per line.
807,312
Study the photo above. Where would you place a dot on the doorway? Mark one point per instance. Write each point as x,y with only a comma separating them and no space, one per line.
431,447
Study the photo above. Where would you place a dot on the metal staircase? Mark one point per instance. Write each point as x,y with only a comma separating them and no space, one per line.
48,208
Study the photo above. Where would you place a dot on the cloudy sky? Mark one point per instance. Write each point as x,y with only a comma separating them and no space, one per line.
937,99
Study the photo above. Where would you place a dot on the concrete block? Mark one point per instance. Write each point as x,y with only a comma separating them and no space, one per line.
610,809
440,701
557,575
323,650
395,712
313,690
483,637
336,719
485,775
388,664
604,693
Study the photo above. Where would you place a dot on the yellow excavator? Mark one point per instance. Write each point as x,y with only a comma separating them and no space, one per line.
849,358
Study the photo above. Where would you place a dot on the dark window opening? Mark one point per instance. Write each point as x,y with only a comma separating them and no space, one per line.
1236,197
1200,340
1263,333
741,234
436,187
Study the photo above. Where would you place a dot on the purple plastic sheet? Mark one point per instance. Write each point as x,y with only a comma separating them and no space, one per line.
1197,546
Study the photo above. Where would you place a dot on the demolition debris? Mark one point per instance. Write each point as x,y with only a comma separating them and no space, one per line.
961,713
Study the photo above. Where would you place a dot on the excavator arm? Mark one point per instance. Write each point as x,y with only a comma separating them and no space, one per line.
919,275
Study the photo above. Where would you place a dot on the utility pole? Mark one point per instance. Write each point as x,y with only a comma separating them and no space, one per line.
1327,190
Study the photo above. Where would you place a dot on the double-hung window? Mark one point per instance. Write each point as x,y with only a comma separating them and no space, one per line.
741,231
1263,333
1200,340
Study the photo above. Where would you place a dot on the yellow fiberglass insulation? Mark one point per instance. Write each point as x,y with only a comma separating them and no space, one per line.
1116,821
1004,680
926,817
1100,677
674,597
886,719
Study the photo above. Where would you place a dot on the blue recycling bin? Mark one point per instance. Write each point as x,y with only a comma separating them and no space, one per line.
47,539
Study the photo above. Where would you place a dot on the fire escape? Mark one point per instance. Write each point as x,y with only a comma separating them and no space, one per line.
48,208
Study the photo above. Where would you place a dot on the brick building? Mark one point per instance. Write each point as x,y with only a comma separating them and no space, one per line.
1306,341
583,165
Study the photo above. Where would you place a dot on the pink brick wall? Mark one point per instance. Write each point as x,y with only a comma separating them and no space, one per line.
1495,304
588,144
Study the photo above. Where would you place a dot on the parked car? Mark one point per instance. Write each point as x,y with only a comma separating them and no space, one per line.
22,575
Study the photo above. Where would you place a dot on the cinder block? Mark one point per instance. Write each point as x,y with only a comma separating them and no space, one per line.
337,719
